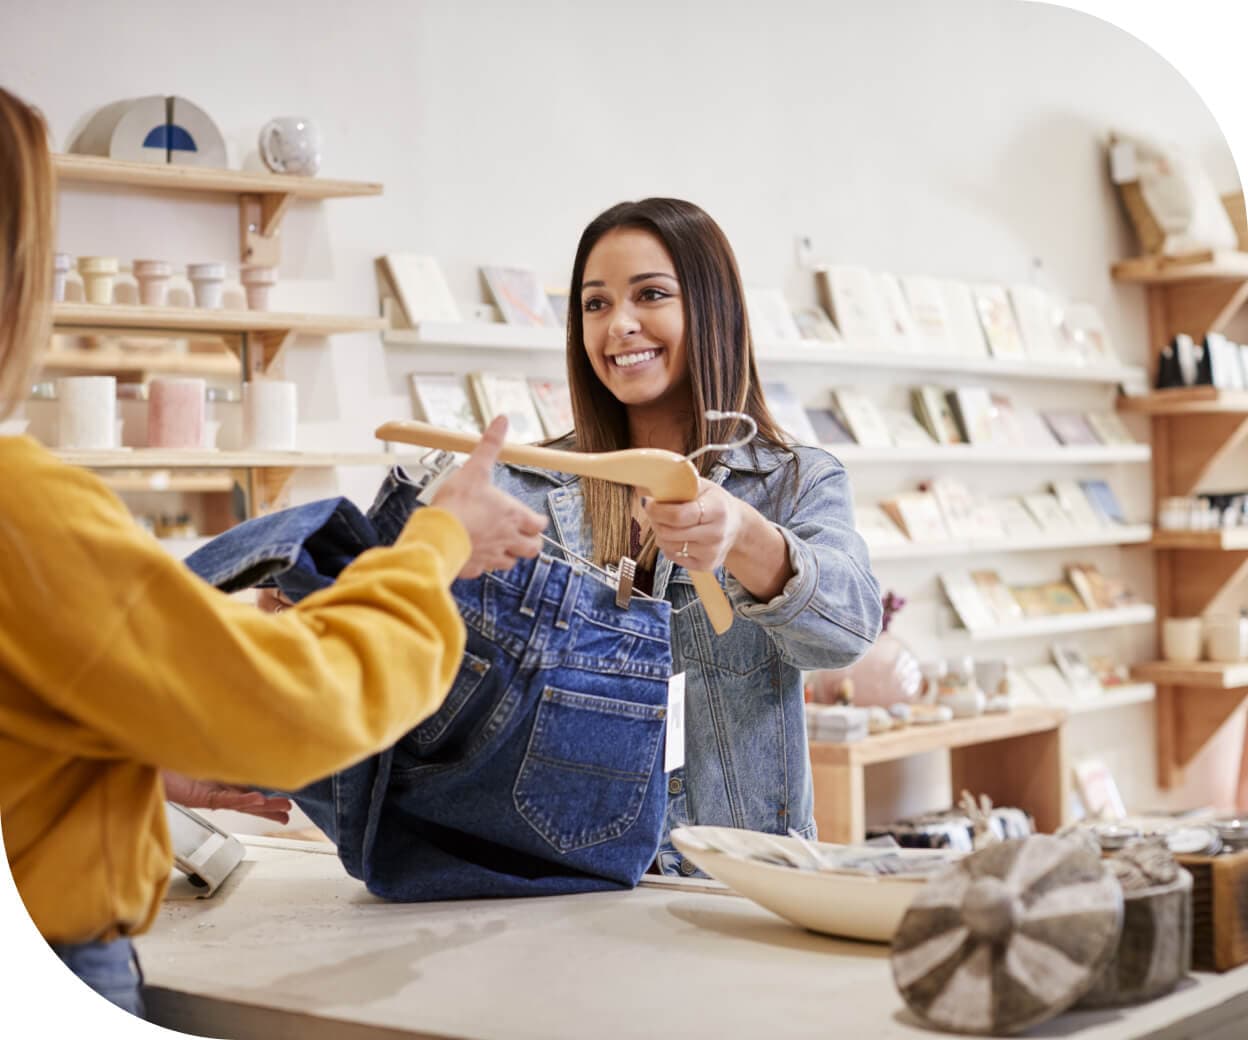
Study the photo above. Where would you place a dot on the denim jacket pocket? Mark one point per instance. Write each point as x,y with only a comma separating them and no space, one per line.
587,766
430,735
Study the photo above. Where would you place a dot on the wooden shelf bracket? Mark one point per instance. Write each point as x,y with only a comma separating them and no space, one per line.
259,224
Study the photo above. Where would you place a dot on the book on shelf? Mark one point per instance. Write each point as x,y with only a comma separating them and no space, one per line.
771,320
862,417
828,428
1225,368
850,295
1098,791
931,407
1109,428
1048,599
499,393
1108,670
1074,502
1007,429
1036,432
1086,334
967,600
1049,514
997,319
906,430
1099,591
997,595
1102,498
933,329
559,304
553,400
899,330
1076,670
442,400
1039,319
787,410
964,325
918,515
965,516
419,287
972,408
1014,518
814,323
520,296
877,528
1049,683
1071,428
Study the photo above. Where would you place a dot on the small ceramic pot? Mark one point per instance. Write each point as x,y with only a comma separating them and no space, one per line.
207,280
1181,639
257,281
153,277
98,273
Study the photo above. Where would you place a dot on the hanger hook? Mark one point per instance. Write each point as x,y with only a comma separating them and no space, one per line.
714,414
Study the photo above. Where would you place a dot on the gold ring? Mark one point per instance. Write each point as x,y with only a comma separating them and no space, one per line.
684,550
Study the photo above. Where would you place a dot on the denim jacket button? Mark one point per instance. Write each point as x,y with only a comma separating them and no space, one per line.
675,785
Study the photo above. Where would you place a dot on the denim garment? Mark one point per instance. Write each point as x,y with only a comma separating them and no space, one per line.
109,968
746,758
542,771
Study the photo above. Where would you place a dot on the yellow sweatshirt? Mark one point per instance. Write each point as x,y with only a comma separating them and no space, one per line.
115,661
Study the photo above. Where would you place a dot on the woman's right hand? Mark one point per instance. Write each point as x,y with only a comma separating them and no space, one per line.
501,528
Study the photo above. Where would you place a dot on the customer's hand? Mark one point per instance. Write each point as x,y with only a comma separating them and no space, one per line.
502,530
209,794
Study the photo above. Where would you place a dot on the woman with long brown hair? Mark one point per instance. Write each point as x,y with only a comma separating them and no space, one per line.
116,661
658,337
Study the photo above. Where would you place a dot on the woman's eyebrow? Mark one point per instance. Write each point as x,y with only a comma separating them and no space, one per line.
632,281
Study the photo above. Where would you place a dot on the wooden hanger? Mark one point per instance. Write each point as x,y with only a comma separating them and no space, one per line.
665,475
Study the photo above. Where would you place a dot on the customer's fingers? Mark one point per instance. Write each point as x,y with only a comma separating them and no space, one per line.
485,454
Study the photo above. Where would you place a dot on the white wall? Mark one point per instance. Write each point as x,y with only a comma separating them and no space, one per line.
960,137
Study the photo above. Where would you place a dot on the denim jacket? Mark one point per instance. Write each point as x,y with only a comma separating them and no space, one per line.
746,759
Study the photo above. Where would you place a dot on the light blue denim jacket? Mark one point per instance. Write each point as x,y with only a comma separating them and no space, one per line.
746,760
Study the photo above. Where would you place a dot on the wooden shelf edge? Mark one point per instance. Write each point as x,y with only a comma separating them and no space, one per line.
1199,674
1220,265
104,360
192,319
1187,400
1232,540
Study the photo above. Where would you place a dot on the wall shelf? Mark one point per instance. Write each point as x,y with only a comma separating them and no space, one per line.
163,480
105,360
1210,675
1209,265
168,458
1131,534
1108,453
1188,400
1059,624
1226,540
499,336
1113,697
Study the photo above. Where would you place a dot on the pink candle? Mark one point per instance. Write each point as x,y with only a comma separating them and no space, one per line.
175,413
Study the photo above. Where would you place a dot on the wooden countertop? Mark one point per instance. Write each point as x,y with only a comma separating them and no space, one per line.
290,946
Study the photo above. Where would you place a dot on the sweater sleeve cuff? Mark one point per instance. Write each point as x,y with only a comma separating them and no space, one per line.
441,530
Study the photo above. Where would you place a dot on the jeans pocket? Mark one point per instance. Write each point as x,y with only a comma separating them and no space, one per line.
426,739
588,763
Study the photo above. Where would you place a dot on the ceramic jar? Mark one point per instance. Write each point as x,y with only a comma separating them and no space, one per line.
98,273
257,281
270,415
86,415
175,415
207,281
153,277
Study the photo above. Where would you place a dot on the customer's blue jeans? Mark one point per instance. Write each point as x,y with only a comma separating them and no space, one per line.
109,968
542,771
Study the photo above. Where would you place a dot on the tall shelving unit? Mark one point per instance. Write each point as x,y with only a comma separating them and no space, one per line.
1193,430
255,340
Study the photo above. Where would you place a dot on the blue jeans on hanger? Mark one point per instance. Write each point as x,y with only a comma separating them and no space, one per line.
542,771
109,968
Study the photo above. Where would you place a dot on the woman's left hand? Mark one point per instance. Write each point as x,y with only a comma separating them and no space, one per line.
209,794
700,534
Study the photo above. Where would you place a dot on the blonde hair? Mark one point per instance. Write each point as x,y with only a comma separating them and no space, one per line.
27,190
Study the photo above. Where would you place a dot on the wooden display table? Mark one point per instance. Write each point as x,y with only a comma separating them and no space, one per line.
1016,759
291,947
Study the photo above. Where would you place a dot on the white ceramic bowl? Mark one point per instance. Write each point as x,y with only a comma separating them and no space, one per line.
848,905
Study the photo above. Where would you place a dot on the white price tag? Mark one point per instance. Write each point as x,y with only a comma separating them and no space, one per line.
674,753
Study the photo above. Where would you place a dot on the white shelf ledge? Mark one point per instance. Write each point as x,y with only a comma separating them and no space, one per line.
1133,534
1060,624
1112,697
850,453
498,336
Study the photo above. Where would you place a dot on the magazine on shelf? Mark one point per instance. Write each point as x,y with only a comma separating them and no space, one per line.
814,323
850,295
964,325
505,394
997,595
1108,670
1014,518
918,515
520,296
1076,670
828,428
1054,597
997,318
559,304
966,516
1048,512
967,599
1007,428
1070,496
877,528
1049,683
862,417
1039,322
899,332
1225,366
442,400
931,407
1109,428
554,405
1085,332
771,319
1098,791
933,328
1036,432
420,286
972,408
1103,500
1071,428
1097,590
906,430
788,412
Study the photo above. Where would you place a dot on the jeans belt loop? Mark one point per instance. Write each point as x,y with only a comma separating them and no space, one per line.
533,594
571,590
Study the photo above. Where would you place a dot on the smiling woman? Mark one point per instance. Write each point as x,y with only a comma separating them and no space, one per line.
657,339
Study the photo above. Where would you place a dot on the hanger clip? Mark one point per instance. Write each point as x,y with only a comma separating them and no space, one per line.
624,582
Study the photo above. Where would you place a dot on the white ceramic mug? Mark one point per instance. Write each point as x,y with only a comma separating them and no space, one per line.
1223,638
86,416
1181,639
291,144
270,415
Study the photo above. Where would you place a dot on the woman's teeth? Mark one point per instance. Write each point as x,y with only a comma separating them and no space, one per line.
628,360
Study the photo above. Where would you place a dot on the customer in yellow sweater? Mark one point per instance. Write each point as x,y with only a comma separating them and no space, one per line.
116,662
